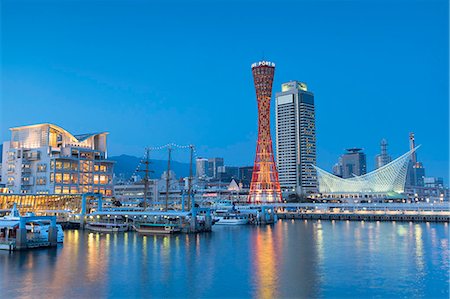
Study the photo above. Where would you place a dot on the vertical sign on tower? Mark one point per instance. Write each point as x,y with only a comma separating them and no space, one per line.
265,186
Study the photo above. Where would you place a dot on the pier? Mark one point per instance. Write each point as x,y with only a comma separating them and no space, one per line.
366,212
197,221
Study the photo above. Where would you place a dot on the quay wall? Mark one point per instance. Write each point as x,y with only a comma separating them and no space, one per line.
365,217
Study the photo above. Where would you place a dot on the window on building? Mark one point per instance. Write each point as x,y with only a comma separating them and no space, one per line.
66,178
58,177
42,167
58,190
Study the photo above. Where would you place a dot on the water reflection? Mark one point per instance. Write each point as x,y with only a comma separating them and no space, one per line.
264,263
292,259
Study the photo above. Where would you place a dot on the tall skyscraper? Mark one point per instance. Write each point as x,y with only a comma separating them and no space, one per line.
265,186
416,171
353,163
201,167
383,158
296,138
213,167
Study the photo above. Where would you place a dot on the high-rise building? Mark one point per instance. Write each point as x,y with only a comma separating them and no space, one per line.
296,138
383,158
213,167
416,171
201,167
353,163
265,186
46,159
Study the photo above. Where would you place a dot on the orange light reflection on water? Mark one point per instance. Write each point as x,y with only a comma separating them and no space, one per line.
265,263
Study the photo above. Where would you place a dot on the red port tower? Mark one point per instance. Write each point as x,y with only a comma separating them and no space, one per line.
265,186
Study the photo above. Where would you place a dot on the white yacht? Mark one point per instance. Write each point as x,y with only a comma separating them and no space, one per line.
229,218
37,230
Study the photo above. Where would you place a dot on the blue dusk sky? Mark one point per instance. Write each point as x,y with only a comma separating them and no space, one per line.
154,72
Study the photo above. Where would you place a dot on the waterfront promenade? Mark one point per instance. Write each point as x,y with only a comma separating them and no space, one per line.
419,212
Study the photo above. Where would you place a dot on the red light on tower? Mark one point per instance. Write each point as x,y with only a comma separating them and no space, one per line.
265,186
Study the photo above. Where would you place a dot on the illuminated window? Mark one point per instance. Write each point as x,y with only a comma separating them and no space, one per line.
66,178
58,177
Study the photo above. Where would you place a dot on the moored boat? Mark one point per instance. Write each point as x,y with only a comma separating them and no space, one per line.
157,228
231,219
105,227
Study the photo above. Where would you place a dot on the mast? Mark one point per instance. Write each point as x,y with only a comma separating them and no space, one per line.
168,178
146,177
190,177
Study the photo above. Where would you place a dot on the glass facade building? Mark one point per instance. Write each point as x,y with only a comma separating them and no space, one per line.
296,138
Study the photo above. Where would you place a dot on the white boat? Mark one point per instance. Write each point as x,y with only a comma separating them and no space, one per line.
230,219
156,228
39,231
36,230
107,227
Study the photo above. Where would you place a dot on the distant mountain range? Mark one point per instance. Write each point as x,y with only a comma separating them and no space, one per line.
126,165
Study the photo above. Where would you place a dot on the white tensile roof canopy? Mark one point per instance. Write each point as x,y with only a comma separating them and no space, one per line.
388,178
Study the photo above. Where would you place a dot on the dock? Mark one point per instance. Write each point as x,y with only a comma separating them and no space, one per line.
366,212
196,221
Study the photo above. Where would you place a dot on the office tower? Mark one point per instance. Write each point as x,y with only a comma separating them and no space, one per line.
416,171
213,167
46,159
265,186
296,138
383,158
201,167
353,163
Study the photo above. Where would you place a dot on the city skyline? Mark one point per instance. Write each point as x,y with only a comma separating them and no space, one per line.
215,110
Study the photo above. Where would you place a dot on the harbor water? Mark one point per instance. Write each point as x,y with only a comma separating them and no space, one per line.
290,259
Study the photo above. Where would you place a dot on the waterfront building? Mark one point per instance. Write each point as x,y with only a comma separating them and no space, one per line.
386,181
296,138
46,159
433,190
382,158
133,194
352,163
265,186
